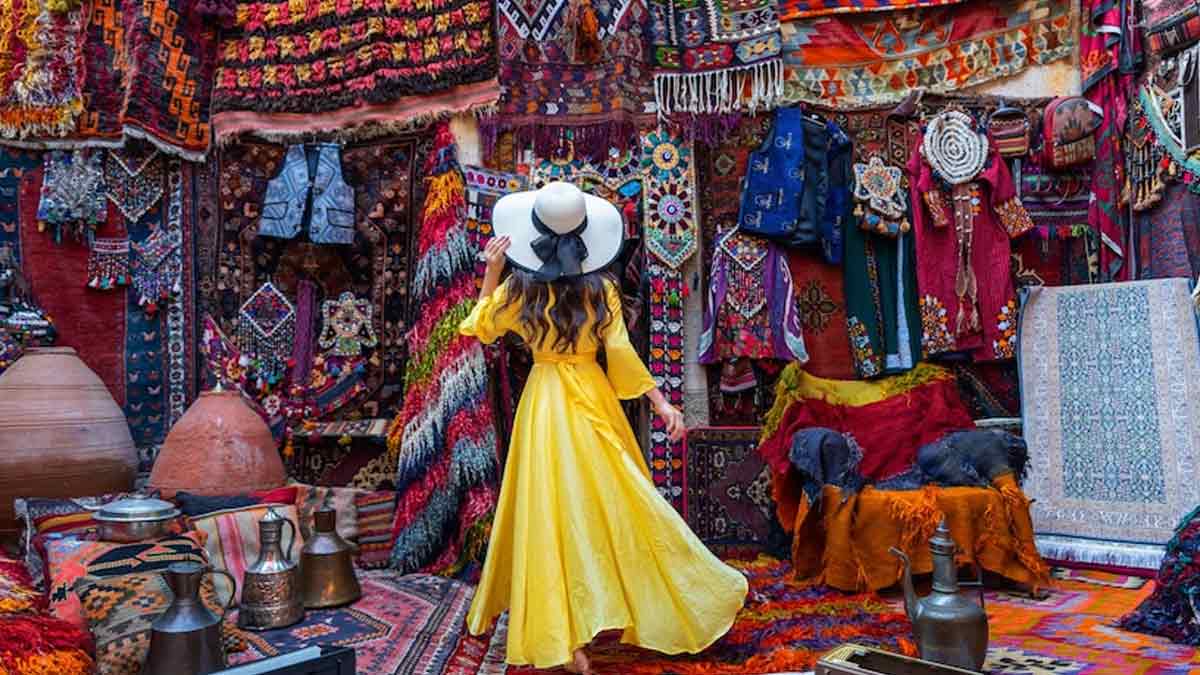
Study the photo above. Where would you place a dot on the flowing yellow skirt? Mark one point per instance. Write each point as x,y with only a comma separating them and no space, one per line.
583,543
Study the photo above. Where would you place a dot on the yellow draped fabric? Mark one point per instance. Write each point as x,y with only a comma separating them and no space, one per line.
582,542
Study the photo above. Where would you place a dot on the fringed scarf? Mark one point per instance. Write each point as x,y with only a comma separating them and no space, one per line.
444,438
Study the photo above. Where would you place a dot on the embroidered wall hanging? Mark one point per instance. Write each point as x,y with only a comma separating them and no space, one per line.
670,224
39,59
108,264
954,149
73,192
484,188
882,206
266,328
715,57
157,264
285,71
667,292
790,10
879,58
347,325
553,88
133,181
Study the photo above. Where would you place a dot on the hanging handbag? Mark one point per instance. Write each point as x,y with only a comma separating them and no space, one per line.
1010,130
1068,127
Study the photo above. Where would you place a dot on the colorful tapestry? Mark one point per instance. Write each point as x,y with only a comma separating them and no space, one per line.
1107,374
715,57
1070,631
444,438
790,10
665,363
402,625
671,232
575,71
878,58
1167,239
292,68
39,69
375,511
784,627
729,499
1063,248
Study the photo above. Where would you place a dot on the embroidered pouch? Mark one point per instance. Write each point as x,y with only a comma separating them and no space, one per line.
1068,126
1010,130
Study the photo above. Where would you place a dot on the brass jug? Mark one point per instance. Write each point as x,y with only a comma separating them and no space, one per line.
271,586
326,565
949,628
186,638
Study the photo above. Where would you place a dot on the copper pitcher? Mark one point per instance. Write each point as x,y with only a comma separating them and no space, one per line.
326,565
186,638
271,586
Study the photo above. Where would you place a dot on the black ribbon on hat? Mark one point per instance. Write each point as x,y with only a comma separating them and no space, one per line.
561,254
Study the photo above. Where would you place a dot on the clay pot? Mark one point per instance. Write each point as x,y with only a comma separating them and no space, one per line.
219,447
61,432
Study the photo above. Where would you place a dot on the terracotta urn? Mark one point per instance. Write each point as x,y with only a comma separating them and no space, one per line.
219,447
61,432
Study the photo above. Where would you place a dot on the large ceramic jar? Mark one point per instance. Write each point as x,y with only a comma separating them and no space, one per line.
219,447
61,432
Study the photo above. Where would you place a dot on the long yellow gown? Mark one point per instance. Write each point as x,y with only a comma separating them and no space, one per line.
582,541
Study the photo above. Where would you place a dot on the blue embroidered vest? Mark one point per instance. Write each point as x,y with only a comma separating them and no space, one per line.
774,178
309,191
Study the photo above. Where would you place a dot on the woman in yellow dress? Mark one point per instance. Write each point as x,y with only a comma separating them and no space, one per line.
582,541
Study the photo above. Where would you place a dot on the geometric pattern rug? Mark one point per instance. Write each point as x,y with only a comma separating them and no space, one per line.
728,487
1070,632
1109,374
401,626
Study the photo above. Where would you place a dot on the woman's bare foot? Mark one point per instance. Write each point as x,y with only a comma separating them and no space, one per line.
581,664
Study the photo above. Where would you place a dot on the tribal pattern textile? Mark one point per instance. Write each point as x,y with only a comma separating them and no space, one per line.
790,10
669,190
729,499
73,192
559,79
402,625
347,326
1171,610
444,437
39,69
354,62
665,362
715,56
1117,362
484,188
878,58
1167,241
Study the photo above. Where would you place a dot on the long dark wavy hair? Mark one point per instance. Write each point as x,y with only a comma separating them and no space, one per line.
567,314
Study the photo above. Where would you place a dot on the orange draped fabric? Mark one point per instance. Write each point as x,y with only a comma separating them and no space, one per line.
845,542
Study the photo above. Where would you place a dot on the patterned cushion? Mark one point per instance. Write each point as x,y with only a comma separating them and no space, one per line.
376,511
309,498
72,559
120,611
199,505
233,540
63,516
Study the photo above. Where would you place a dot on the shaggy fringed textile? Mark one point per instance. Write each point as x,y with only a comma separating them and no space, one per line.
1170,611
785,627
39,69
878,58
43,645
444,438
355,62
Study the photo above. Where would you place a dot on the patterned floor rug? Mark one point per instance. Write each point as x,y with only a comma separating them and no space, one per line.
1071,632
1107,376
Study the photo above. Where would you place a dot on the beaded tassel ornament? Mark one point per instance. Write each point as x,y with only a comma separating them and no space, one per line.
108,264
134,184
266,328
156,263
347,326
73,194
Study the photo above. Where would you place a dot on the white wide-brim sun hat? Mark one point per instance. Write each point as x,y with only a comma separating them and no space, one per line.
560,208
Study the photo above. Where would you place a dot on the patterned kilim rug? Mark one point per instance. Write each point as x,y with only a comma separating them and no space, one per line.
402,625
785,627
729,488
1071,632
1108,374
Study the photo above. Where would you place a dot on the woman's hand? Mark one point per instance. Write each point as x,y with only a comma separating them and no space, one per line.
672,418
493,255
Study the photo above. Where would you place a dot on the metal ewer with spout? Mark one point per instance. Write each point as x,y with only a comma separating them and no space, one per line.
949,627
271,586
186,638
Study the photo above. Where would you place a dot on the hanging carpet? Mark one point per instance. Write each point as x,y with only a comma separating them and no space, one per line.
874,59
1108,375
39,69
790,10
296,67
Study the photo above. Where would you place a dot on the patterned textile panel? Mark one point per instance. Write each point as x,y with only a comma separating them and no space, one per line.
232,540
310,498
354,62
39,59
800,9
1107,373
729,488
878,58
402,625
375,512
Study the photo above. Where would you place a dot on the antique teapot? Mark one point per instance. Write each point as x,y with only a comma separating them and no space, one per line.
271,586
949,628
326,565
187,637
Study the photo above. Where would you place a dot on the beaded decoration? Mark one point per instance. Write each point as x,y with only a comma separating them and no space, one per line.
670,216
882,207
347,325
108,264
954,149
156,263
134,185
746,295
73,193
266,328
667,291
